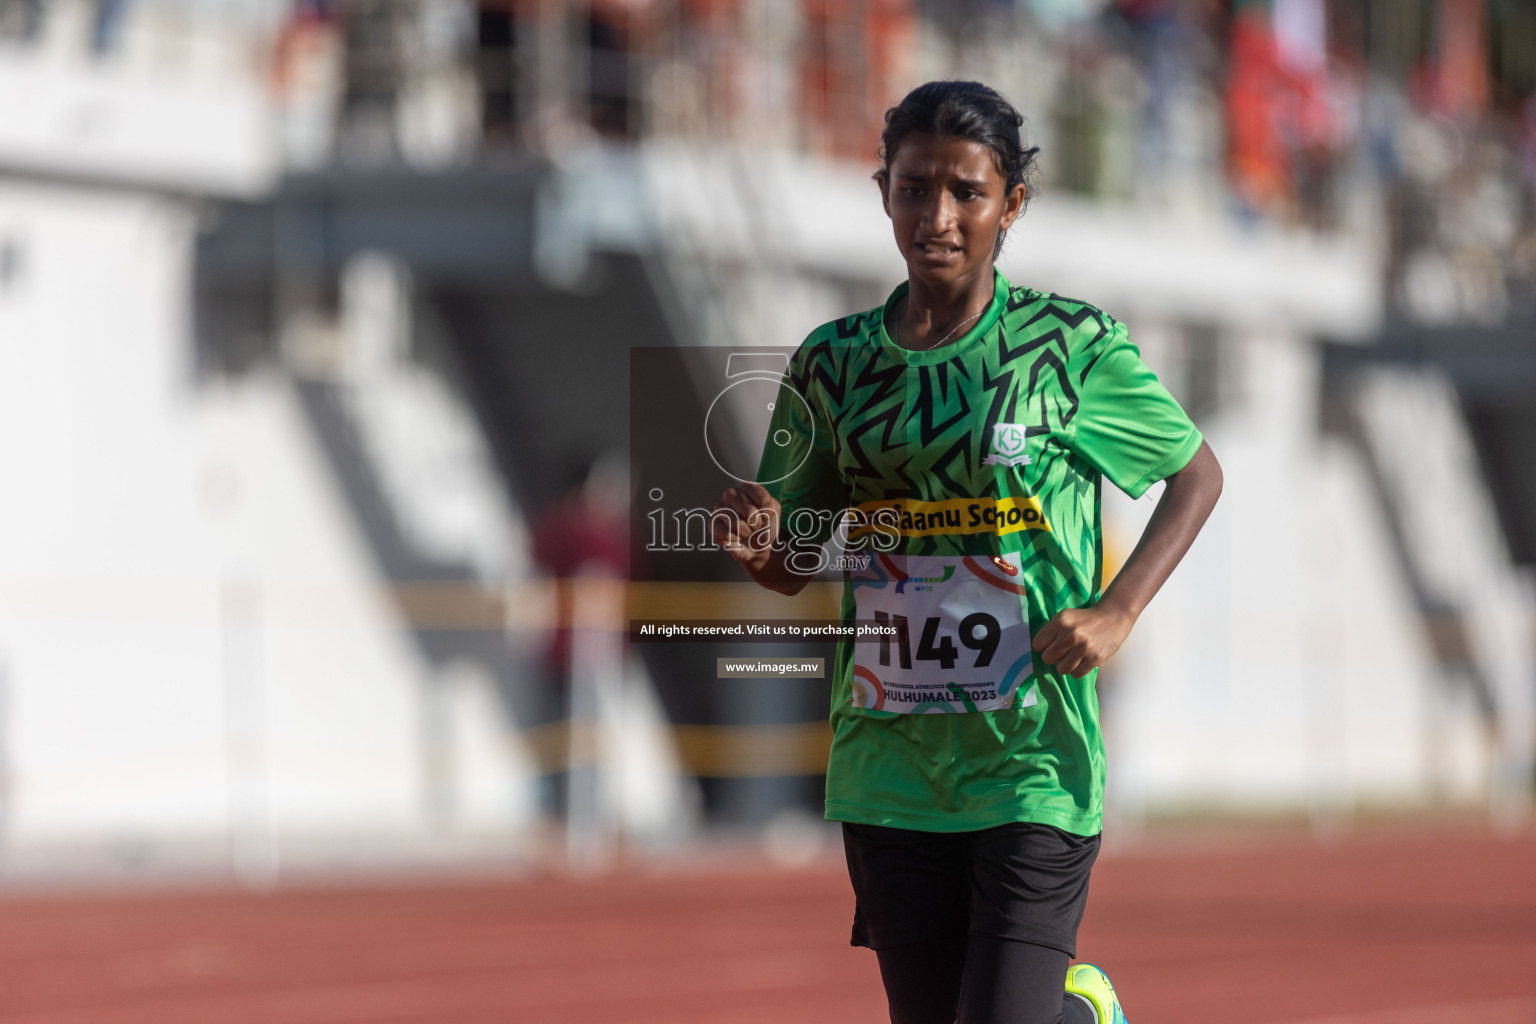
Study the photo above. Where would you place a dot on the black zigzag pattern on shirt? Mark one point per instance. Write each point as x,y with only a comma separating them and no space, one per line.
922,431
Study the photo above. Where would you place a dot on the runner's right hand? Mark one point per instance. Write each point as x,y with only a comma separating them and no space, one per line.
755,518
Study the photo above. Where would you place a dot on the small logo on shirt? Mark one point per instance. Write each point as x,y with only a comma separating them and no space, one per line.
1008,443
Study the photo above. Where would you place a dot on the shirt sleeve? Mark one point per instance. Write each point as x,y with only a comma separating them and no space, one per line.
1127,424
798,465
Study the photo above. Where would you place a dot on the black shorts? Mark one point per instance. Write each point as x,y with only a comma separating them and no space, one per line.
1024,882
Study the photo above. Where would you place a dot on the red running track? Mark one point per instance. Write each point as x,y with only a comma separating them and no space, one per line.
1395,928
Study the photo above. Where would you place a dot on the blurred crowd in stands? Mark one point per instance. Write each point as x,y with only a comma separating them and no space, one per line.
1408,123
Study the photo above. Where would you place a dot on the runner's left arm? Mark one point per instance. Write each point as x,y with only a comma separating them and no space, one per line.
1129,427
1079,640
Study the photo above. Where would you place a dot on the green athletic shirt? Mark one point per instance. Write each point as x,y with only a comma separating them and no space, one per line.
987,450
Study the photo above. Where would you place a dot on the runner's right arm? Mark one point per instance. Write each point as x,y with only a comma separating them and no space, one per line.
749,532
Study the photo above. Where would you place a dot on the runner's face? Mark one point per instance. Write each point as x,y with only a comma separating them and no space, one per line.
947,202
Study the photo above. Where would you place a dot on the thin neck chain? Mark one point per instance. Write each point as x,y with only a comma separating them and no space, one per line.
943,340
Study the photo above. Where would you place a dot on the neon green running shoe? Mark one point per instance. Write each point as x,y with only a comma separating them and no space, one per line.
1091,985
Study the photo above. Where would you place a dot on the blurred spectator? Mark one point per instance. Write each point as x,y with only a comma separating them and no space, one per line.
586,527
1461,70
611,26
20,20
496,68
1411,123
1078,117
110,15
852,70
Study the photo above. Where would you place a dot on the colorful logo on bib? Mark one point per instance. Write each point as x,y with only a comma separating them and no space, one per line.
926,582
1009,444
867,689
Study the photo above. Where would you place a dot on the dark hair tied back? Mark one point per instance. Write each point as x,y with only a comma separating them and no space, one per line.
968,110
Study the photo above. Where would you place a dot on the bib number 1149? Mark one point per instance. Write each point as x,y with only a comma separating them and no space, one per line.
956,636
978,631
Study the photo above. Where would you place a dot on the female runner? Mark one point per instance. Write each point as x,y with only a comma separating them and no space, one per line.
959,433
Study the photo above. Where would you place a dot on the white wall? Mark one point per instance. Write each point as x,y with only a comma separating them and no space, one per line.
1286,664
191,635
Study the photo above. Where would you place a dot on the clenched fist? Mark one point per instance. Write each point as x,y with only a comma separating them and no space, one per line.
750,529
1078,640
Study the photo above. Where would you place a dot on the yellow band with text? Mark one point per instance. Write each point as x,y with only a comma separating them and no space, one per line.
952,516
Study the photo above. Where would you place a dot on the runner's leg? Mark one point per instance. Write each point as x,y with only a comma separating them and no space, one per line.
922,980
1010,982
912,906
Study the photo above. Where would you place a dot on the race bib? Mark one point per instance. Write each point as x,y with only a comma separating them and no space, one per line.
962,638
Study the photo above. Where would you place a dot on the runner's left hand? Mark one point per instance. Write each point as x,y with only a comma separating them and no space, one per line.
1078,640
